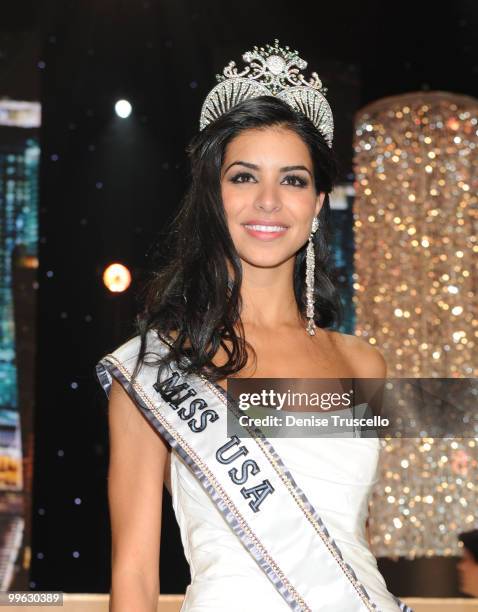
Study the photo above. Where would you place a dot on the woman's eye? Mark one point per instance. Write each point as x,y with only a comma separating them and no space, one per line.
296,181
241,178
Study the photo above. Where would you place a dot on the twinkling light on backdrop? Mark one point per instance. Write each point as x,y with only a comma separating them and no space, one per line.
415,226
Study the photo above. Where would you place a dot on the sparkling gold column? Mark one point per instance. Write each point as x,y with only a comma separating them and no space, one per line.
415,281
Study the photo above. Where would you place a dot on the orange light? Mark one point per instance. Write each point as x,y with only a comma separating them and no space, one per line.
117,278
29,261
453,124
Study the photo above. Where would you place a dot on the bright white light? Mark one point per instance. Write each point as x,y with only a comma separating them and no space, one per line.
123,109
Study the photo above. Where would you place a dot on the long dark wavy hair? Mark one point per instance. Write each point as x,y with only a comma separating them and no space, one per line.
192,294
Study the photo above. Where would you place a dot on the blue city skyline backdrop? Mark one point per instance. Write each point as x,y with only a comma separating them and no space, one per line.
19,170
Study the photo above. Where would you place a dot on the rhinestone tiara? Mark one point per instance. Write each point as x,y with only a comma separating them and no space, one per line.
272,70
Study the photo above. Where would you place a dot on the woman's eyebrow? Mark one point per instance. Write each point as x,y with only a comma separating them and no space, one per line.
290,168
255,167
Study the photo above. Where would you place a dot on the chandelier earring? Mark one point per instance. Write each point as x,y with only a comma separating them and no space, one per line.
310,279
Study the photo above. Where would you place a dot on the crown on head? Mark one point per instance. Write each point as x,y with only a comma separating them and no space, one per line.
272,71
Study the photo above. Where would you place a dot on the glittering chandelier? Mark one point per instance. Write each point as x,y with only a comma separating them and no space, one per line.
415,225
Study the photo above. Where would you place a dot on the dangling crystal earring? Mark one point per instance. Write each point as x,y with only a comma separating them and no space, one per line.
310,278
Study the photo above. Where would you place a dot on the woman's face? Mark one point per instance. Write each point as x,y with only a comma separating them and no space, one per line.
267,184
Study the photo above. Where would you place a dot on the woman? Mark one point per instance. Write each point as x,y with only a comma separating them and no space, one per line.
245,294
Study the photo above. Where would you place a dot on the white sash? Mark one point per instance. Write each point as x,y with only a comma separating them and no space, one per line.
245,478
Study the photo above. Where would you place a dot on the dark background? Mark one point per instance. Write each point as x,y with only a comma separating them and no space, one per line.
108,186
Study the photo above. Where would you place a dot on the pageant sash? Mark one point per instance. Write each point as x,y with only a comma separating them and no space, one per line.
246,480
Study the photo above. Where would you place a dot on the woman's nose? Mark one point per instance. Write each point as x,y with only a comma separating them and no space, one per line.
267,198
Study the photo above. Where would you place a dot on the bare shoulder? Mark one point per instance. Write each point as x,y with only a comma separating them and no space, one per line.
366,360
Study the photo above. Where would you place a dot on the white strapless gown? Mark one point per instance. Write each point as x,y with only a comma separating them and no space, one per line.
336,474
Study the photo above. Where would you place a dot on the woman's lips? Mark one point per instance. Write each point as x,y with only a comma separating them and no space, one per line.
263,232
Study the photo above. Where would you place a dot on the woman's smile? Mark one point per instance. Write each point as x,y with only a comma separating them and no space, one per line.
265,231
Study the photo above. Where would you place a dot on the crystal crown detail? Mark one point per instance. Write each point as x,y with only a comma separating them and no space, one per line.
275,71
